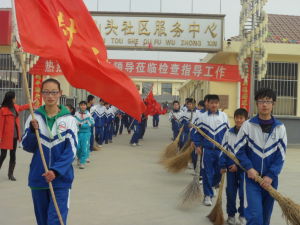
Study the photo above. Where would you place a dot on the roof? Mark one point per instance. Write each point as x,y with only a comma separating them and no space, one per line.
282,29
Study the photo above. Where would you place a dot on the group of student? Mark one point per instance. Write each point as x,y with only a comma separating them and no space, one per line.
97,125
259,143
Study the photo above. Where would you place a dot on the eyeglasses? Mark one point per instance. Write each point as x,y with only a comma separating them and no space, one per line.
47,93
261,102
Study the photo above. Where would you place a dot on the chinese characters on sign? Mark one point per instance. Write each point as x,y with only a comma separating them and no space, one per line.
37,85
172,32
178,70
157,69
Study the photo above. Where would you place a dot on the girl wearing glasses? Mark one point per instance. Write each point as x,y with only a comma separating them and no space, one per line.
58,132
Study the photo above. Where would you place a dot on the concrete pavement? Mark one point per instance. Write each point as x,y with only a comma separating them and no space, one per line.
125,185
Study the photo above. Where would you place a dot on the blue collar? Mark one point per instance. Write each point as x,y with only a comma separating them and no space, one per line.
232,130
255,120
203,110
209,112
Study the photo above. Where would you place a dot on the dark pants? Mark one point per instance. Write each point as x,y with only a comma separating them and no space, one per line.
92,138
12,160
155,120
116,125
143,128
136,134
44,209
99,135
123,123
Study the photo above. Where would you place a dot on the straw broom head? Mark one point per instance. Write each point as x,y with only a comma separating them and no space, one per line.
192,193
180,161
171,149
216,215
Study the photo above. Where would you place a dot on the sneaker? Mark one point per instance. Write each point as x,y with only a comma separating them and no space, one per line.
231,220
207,201
242,220
81,166
133,144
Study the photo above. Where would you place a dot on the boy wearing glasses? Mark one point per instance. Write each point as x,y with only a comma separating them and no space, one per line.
260,147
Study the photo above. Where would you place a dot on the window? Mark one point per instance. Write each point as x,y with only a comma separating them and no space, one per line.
166,89
146,87
283,78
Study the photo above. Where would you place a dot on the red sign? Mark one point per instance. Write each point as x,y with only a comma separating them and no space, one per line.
157,69
37,86
245,90
5,27
178,70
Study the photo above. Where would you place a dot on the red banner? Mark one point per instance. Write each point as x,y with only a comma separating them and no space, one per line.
37,85
157,69
245,90
5,27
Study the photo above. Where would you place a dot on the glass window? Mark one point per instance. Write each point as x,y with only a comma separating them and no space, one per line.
147,87
166,89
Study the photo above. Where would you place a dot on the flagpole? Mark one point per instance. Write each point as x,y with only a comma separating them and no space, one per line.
26,88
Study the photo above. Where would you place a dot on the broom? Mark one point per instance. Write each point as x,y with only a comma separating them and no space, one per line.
181,160
192,193
216,215
171,149
290,209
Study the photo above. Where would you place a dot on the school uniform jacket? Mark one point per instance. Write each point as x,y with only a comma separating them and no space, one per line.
84,121
228,143
59,150
262,151
214,125
98,113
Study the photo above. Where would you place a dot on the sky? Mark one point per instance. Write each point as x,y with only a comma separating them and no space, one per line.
230,8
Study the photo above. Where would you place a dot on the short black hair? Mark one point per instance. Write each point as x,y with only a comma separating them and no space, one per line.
265,92
90,98
174,102
206,98
191,100
83,103
201,103
213,97
51,80
241,112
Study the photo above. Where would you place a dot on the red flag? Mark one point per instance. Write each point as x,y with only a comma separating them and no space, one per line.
152,106
63,30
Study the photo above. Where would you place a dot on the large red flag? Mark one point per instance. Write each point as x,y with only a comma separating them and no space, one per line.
64,30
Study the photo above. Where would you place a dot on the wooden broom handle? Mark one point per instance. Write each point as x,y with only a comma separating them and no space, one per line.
26,88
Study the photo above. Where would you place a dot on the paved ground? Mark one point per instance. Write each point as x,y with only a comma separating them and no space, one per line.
126,186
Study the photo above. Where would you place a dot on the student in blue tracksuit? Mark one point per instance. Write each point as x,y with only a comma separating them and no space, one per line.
90,106
174,118
155,120
187,117
235,176
98,113
84,121
260,147
58,132
214,123
137,126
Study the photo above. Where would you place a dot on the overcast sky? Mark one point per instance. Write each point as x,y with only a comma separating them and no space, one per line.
231,8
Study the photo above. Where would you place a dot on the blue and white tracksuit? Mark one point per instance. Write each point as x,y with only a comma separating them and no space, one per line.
215,126
84,121
186,118
98,113
174,118
108,127
59,147
235,180
265,152
137,126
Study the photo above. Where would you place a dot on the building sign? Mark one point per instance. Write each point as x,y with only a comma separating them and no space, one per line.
157,69
178,70
5,27
163,32
245,94
37,86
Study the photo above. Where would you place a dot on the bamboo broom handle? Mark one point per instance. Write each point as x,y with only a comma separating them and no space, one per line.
26,88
